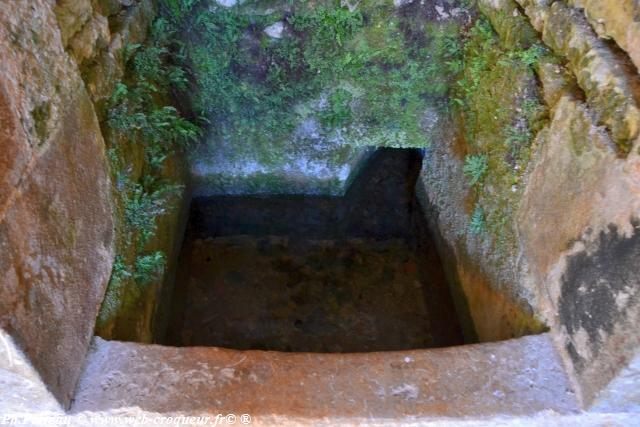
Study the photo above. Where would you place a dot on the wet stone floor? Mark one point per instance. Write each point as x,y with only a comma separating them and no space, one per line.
343,282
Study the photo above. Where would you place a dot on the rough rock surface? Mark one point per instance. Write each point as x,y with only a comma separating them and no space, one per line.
309,164
103,70
490,300
56,234
576,216
610,85
574,265
515,377
617,20
61,61
581,255
621,394
295,294
139,314
22,388
508,22
275,30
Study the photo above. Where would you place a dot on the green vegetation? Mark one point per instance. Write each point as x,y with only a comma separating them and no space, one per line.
149,267
143,203
477,223
475,166
135,109
339,111
40,116
369,74
120,270
497,96
529,57
143,131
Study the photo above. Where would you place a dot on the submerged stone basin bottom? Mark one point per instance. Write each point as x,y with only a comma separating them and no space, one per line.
279,293
316,274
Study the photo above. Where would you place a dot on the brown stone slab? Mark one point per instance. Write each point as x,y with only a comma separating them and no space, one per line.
515,377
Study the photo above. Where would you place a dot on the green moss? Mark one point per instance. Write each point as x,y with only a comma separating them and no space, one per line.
112,301
500,105
339,112
142,131
40,116
252,87
270,183
149,267
514,28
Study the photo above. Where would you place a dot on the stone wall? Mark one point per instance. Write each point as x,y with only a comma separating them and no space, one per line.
572,218
58,217
56,226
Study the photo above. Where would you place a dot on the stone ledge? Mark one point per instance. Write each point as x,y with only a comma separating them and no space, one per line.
515,377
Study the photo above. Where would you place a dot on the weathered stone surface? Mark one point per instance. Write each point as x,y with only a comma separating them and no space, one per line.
556,81
229,3
72,16
93,37
599,306
575,264
308,159
275,30
21,388
514,377
484,266
575,155
273,293
107,67
579,190
577,228
576,219
318,148
610,86
140,313
537,11
109,8
622,394
15,157
401,3
615,19
491,301
133,23
308,164
514,28
517,32
378,205
137,313
55,222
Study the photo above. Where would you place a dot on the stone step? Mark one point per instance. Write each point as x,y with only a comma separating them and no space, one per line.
516,377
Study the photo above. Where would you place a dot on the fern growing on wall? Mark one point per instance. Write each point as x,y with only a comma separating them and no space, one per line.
477,222
139,114
475,167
